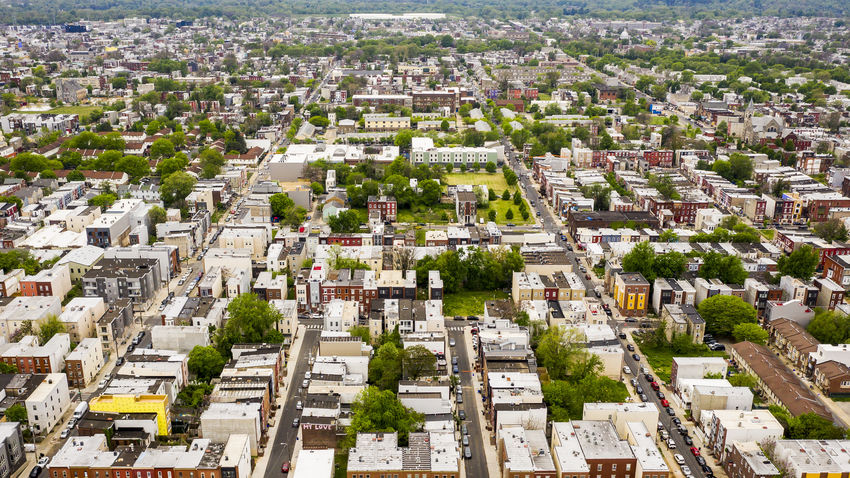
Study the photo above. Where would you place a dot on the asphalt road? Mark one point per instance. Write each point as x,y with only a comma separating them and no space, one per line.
280,447
477,464
681,447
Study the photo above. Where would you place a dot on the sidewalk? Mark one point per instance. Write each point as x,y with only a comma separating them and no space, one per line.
271,433
489,450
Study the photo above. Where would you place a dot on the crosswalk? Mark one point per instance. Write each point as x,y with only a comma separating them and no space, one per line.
455,329
314,326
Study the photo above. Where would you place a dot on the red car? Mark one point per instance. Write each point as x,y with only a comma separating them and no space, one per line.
654,386
665,403
695,451
284,467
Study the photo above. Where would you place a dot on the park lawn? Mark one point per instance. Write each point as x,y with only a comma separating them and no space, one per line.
501,207
71,110
660,359
469,302
491,180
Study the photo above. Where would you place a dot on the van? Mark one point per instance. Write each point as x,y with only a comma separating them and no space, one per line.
81,410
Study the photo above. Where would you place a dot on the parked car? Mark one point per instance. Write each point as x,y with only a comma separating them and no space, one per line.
670,412
679,459
688,440
636,357
455,369
639,389
643,398
120,361
454,360
633,382
295,422
665,403
654,385
65,433
464,429
671,444
686,469
452,342
700,460
461,414
299,405
695,451
465,440
630,347
36,470
660,395
43,461
467,453
308,375
622,335
284,468
305,384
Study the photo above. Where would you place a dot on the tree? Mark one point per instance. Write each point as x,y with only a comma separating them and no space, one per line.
509,214
206,363
103,201
135,167
566,399
345,221
664,185
280,203
670,265
376,410
418,362
517,198
403,139
810,426
741,166
563,353
722,312
161,148
169,166
490,167
75,176
50,327
600,194
506,196
800,264
831,230
317,188
7,368
252,320
16,413
668,235
431,192
491,215
176,187
510,176
156,215
641,259
748,332
211,163
744,380
385,367
362,332
726,268
830,327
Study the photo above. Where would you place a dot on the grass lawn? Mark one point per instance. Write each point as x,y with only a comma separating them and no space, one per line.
767,233
661,359
501,207
491,180
657,120
469,302
433,215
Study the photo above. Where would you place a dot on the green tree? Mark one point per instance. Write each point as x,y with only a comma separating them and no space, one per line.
491,215
670,265
562,351
161,148
744,380
7,368
211,163
16,413
829,327
50,327
205,363
749,332
490,167
726,268
135,167
103,201
403,139
431,192
418,362
668,235
345,221
517,198
156,215
193,394
509,214
280,203
385,367
722,312
317,188
75,176
176,187
565,399
506,196
362,332
800,264
252,320
169,166
741,166
376,410
641,259
831,230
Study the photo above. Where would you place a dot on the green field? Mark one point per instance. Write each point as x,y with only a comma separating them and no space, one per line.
491,180
501,207
661,359
469,302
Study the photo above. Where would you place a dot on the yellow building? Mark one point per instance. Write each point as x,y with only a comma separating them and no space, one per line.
136,404
631,291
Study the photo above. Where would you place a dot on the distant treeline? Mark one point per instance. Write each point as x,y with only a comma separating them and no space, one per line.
67,11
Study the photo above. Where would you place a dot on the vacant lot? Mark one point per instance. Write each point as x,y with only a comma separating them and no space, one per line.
501,207
469,302
491,180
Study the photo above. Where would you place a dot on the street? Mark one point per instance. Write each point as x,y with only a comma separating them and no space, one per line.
279,447
477,465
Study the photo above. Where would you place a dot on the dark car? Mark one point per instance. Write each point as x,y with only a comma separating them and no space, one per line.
643,398
639,390
688,440
35,471
120,361
670,411
700,460
707,470
636,357
622,336
461,414
131,348
648,377
630,347
677,421
660,395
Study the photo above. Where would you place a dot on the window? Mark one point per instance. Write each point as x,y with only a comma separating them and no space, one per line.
628,467
614,467
599,467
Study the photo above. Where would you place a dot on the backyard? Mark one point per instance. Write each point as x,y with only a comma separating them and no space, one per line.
660,359
469,302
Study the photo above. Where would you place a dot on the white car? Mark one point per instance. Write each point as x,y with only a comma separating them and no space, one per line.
686,470
671,444
308,375
627,370
43,461
679,459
